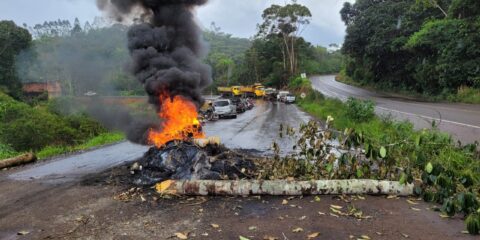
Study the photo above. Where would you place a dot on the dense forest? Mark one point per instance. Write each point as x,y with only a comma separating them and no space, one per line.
426,46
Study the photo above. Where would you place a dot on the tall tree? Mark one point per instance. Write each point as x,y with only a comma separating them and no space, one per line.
13,39
286,22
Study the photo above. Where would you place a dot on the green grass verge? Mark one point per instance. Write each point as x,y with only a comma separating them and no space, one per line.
399,136
445,172
7,152
102,139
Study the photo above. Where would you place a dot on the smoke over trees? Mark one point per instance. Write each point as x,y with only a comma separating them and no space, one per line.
166,47
81,60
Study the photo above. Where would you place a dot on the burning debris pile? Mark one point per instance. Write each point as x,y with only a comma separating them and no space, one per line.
186,160
166,47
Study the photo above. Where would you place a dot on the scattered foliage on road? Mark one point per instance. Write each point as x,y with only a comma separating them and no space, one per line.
381,148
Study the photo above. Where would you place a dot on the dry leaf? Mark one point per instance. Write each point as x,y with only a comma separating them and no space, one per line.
321,213
317,199
465,232
415,209
334,215
405,235
443,215
181,236
297,230
302,218
215,225
392,197
243,238
336,206
252,228
313,235
365,237
23,232
361,197
378,233
284,202
336,211
411,202
269,238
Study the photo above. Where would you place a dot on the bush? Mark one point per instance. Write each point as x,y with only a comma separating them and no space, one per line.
299,83
360,110
7,151
27,128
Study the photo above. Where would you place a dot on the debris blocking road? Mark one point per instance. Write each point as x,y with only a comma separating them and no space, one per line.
187,161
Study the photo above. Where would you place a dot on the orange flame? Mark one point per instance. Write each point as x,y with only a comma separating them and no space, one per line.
180,122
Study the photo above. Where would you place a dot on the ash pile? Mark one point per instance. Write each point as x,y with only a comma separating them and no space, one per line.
187,160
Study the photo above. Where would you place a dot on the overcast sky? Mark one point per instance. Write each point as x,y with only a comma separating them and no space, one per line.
238,17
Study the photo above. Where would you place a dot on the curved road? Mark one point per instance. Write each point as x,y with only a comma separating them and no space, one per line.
462,121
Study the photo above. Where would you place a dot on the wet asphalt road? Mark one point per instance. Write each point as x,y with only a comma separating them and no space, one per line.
254,129
462,121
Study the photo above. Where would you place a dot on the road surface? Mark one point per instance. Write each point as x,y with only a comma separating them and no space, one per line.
462,121
40,202
254,129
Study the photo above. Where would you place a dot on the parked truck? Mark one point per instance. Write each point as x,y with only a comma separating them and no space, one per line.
231,91
256,90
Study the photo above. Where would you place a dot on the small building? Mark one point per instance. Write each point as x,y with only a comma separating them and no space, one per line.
38,89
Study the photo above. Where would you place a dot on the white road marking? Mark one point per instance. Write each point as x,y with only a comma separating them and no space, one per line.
431,118
341,97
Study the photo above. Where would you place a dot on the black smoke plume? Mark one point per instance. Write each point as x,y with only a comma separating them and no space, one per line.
166,47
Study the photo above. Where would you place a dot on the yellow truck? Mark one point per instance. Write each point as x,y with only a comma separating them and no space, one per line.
257,90
234,90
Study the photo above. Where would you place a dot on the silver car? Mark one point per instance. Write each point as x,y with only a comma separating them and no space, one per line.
225,108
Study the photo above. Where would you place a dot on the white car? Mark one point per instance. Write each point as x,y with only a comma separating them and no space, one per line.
225,108
290,98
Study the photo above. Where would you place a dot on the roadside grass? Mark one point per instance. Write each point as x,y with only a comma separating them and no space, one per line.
7,152
466,95
463,95
443,171
102,139
438,146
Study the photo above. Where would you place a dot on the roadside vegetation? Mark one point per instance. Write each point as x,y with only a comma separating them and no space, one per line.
445,172
41,128
427,47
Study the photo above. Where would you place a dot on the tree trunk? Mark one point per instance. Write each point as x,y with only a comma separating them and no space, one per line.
283,187
22,159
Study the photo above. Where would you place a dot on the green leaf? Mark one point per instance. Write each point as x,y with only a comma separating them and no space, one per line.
403,178
243,238
359,173
417,141
383,152
429,167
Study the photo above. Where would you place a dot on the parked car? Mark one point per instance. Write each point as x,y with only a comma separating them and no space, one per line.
282,95
290,98
241,107
225,108
249,103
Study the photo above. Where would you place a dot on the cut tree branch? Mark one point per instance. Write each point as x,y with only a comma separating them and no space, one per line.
283,187
22,159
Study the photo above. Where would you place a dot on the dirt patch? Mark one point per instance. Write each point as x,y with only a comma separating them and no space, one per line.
95,209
